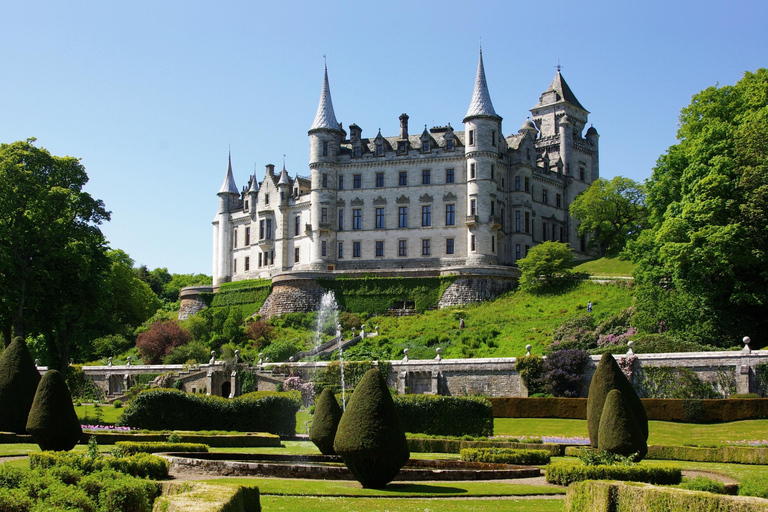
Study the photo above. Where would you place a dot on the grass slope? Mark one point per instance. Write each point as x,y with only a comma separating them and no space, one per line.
613,267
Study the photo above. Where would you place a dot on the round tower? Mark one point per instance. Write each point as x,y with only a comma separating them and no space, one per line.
222,228
482,145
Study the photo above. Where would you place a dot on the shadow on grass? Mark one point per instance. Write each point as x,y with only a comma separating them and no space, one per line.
424,489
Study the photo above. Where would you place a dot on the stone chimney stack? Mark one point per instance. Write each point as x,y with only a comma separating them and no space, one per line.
403,126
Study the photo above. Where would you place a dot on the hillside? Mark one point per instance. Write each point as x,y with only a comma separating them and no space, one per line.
613,267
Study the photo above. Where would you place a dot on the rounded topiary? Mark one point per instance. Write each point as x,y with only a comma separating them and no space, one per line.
619,431
52,420
370,438
608,376
18,382
325,422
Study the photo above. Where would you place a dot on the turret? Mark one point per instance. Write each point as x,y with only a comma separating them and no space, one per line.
222,227
593,139
253,194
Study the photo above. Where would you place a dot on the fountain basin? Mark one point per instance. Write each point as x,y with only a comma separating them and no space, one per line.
331,467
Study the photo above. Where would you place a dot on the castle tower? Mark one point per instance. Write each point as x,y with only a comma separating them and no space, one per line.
325,137
222,228
482,148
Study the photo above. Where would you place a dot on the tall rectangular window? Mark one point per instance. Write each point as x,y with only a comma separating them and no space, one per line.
449,176
425,247
543,230
355,249
234,235
517,251
517,221
493,207
554,231
325,180
527,184
247,263
558,200
297,225
449,246
449,144
272,257
493,244
493,171
472,171
379,218
517,182
379,149
357,218
527,222
402,217
402,247
323,248
561,233
473,206
325,149
403,178
426,216
266,198
260,259
261,230
450,215
493,138
379,179
341,250
425,176
341,182
471,137
544,196
247,236
324,215
296,255
472,243
357,181
341,220
234,268
379,249
269,229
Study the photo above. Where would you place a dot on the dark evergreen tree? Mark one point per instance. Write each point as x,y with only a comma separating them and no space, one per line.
18,383
608,376
325,422
619,430
370,437
52,421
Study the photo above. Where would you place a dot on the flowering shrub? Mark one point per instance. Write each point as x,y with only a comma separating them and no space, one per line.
307,388
627,365
564,372
616,339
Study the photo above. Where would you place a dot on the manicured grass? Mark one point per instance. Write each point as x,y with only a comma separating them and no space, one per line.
21,449
303,419
408,505
87,414
607,267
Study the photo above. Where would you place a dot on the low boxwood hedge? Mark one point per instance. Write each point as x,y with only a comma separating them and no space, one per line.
211,438
515,407
567,472
603,496
505,456
131,447
721,454
445,415
455,445
141,465
158,409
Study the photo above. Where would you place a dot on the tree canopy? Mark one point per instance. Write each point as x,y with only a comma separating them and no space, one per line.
546,265
703,269
612,211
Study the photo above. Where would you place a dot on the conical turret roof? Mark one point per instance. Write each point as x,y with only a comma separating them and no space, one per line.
284,178
254,184
229,186
481,100
325,116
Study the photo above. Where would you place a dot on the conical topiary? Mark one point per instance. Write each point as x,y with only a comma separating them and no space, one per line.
325,422
608,376
52,421
619,431
370,437
18,382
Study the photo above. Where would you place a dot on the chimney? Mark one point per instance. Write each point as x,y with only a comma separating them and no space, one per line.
404,126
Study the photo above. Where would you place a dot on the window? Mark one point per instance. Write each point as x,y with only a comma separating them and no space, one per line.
425,177
266,198
341,182
261,230
259,259
493,207
379,179
553,233
402,217
323,248
544,196
357,151
357,218
527,222
527,184
517,251
379,149
561,233
355,249
449,246
341,250
325,180
450,215
472,171
471,137
325,149
269,229
272,257
341,220
517,222
324,215
296,255
493,138
449,176
473,206
543,230
246,205
403,178
426,216
357,181
502,221
297,225
247,236
425,147
234,269
379,218
402,247
493,244
234,234
379,249
558,200
581,174
492,172
247,263
425,247
449,144
472,243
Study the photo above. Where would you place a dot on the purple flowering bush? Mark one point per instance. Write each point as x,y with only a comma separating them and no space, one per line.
564,372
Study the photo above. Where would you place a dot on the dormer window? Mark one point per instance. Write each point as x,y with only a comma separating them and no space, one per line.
357,151
425,146
379,149
401,147
449,144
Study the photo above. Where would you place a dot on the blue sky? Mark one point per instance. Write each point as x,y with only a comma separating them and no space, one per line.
151,95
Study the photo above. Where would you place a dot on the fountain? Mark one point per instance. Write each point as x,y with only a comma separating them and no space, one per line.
328,322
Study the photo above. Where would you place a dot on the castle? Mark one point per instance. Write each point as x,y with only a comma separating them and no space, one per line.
440,200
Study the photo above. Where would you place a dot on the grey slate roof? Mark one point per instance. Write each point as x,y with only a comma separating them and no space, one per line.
481,100
284,178
325,117
229,186
254,184
564,92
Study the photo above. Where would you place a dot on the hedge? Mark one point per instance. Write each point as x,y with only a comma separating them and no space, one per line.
604,496
445,415
374,295
724,454
158,409
132,448
661,409
567,472
438,445
251,440
505,456
208,496
141,465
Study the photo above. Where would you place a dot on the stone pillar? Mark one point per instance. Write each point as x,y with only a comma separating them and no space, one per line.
234,384
401,383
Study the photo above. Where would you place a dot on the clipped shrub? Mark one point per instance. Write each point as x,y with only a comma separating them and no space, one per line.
18,383
619,431
141,465
567,472
505,456
754,485
52,420
701,483
116,491
445,415
325,422
559,407
608,376
131,447
455,445
370,438
722,454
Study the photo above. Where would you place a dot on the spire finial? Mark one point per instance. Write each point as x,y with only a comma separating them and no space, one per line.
558,67
283,161
325,62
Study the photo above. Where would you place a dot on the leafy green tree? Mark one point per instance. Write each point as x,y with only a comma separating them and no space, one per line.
702,266
613,212
545,266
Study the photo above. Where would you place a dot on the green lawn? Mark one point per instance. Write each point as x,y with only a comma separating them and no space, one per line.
613,267
88,414
408,505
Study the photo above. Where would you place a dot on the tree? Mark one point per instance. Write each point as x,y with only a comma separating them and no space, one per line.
160,340
546,265
52,420
613,212
703,266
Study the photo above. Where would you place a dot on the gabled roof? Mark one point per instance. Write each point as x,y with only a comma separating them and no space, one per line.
325,116
229,186
481,100
564,92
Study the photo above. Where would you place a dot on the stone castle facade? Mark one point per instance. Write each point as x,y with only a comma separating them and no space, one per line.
441,199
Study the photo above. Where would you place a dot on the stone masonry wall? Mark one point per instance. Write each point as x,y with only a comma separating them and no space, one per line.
292,296
474,289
